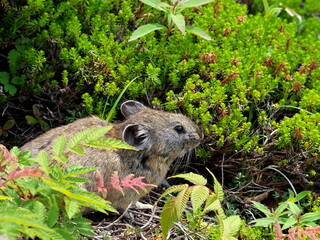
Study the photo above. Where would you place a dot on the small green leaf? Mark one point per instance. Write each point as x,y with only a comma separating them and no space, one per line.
172,189
31,120
264,222
43,160
97,133
192,3
10,89
294,208
231,226
79,137
168,216
59,145
16,80
77,169
53,215
301,195
198,31
181,201
218,190
4,78
310,217
192,177
109,143
145,29
290,222
8,125
36,111
198,196
40,210
78,150
262,208
157,4
72,207
178,20
281,208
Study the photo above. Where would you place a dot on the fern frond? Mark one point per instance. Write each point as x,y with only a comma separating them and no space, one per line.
172,189
59,145
77,170
43,160
85,198
109,143
79,137
53,215
75,180
40,210
199,194
72,207
44,234
192,177
97,133
181,201
168,216
25,218
218,190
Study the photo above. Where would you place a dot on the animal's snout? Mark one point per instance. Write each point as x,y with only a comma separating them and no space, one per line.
197,136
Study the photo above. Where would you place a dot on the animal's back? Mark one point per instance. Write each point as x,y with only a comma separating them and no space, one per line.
160,138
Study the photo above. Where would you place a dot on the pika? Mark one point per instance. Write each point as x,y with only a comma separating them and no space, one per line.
160,137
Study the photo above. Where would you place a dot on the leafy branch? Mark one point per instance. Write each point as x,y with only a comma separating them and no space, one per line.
174,18
202,199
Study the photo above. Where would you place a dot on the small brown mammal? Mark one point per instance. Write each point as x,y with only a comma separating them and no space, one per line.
159,136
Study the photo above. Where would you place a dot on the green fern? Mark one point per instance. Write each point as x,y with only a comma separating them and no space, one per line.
96,133
109,143
72,207
59,145
76,170
192,177
53,215
76,139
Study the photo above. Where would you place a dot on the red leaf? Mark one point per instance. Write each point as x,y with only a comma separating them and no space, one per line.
7,157
115,181
27,172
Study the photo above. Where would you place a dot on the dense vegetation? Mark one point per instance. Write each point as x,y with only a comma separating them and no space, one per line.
254,87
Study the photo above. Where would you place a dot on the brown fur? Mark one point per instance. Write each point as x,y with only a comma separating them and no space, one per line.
152,132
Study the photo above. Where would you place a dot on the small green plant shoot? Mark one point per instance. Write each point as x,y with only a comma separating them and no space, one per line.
289,216
203,200
174,18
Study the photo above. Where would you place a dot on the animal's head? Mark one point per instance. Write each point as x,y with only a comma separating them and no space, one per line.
168,135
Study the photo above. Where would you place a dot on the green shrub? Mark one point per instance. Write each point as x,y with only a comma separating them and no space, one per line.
42,198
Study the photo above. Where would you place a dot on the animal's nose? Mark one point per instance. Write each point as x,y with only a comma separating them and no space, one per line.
196,136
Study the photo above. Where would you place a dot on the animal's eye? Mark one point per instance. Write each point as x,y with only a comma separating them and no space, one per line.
179,129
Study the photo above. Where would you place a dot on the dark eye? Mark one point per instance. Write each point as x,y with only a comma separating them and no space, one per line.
179,129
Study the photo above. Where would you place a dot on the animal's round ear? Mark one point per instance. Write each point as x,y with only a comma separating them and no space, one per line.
137,136
131,107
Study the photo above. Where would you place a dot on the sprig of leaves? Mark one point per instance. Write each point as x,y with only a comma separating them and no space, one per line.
174,18
202,199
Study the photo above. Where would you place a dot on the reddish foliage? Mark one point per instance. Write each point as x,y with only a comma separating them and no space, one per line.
128,182
27,172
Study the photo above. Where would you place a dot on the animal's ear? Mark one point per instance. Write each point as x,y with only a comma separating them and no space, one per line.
131,107
137,136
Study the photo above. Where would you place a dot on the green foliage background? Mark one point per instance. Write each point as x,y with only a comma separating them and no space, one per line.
254,88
